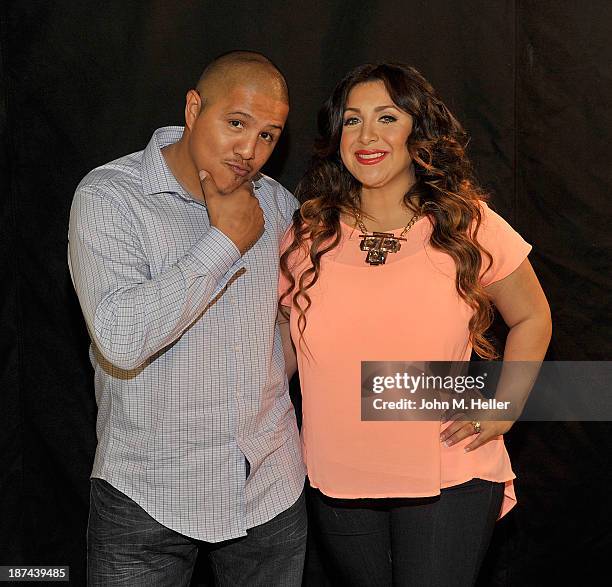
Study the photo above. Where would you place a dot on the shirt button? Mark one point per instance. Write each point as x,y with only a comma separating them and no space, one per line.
236,348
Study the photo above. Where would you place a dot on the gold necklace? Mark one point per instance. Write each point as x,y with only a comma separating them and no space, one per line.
378,244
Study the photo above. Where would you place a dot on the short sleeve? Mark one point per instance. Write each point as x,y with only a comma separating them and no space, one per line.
506,246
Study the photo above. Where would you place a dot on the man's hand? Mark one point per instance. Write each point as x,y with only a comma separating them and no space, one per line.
236,214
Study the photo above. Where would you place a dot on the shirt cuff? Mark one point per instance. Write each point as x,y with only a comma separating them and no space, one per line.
213,255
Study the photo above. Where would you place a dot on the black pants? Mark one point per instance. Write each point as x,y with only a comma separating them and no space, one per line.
426,542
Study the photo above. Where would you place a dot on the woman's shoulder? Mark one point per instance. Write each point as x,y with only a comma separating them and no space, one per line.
491,219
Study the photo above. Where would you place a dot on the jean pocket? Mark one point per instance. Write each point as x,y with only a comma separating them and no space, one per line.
111,505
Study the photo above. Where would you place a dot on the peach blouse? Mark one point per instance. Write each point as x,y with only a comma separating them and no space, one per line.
405,310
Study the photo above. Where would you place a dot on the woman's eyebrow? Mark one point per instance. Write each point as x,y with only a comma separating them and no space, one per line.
377,109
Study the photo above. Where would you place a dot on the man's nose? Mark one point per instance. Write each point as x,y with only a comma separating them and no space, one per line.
246,147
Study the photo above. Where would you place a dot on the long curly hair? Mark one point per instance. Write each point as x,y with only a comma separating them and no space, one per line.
445,190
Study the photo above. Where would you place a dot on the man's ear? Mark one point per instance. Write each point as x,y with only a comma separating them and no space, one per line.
193,105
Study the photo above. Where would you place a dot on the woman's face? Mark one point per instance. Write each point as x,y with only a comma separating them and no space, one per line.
374,135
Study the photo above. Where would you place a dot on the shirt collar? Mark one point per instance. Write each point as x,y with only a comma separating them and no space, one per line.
156,176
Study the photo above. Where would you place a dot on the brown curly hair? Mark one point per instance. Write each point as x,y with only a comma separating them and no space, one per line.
445,190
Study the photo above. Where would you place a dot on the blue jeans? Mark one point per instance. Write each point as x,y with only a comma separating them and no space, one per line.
126,546
435,541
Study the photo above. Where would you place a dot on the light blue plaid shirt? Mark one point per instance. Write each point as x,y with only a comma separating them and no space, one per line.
189,370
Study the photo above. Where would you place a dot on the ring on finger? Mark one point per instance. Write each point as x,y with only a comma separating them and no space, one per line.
476,426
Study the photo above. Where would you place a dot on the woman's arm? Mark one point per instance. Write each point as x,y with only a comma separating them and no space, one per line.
288,348
524,308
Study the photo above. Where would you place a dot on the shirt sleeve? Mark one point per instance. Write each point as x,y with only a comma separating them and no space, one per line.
505,245
129,314
287,204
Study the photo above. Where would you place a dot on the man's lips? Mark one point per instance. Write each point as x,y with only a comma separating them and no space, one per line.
238,169
368,157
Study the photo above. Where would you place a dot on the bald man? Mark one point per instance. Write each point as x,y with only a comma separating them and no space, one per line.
173,253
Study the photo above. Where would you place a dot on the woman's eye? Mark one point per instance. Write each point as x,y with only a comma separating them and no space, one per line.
387,119
266,136
236,123
351,121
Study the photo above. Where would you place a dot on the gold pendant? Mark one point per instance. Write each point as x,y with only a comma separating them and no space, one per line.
378,244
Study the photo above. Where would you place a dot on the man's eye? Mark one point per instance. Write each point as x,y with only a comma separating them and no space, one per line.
351,121
266,136
236,123
387,119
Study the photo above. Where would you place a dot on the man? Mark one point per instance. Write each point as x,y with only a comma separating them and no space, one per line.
174,256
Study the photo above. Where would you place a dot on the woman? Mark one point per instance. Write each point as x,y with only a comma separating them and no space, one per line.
400,502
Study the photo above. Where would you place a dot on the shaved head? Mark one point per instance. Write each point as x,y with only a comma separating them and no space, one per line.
245,68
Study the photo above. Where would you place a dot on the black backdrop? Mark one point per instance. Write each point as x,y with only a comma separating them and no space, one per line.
86,82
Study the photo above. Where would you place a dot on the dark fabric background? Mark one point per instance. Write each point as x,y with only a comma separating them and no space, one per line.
86,82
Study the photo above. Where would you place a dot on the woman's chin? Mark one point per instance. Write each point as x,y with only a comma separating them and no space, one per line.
373,184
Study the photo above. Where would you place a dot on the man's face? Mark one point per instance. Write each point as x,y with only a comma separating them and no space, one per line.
235,134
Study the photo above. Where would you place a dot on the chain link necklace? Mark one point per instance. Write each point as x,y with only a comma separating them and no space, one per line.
379,244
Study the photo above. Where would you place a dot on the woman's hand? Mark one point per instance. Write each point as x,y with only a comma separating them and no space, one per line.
458,430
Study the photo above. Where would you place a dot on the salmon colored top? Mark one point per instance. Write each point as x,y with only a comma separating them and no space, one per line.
405,310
